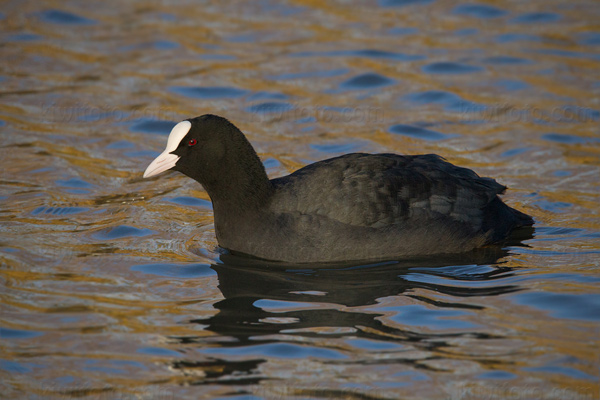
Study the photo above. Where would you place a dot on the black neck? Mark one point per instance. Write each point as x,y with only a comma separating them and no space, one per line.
242,192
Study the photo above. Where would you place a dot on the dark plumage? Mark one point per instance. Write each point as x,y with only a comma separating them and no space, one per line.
354,207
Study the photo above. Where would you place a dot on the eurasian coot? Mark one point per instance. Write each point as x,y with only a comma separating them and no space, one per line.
354,207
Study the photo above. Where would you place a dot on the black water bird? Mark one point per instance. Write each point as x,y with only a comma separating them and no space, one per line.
354,207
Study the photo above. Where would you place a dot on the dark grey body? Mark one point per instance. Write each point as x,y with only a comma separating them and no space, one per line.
373,206
354,207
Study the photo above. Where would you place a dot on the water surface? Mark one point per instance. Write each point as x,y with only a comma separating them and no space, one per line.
113,287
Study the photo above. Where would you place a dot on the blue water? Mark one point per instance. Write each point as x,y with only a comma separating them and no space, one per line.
113,286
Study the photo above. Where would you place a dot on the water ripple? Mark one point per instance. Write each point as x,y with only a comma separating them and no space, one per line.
517,37
479,10
584,307
450,68
450,101
277,350
64,18
210,92
569,139
59,210
122,231
154,126
500,60
270,107
6,333
589,38
537,17
402,3
419,133
421,316
191,201
175,270
340,148
367,53
367,81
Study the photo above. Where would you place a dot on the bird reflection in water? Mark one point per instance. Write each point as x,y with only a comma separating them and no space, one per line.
334,299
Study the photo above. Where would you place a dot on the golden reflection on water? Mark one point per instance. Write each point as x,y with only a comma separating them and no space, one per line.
107,285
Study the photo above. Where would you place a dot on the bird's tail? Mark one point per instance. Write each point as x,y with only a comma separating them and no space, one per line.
522,219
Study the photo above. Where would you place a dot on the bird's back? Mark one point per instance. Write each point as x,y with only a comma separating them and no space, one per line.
379,190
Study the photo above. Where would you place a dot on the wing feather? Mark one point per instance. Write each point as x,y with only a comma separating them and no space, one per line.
386,189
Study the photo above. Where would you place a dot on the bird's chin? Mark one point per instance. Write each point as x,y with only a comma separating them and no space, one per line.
162,163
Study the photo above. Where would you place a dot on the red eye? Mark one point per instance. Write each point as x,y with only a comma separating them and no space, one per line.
192,142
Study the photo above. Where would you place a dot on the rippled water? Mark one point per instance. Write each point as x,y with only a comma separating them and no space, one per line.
112,286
